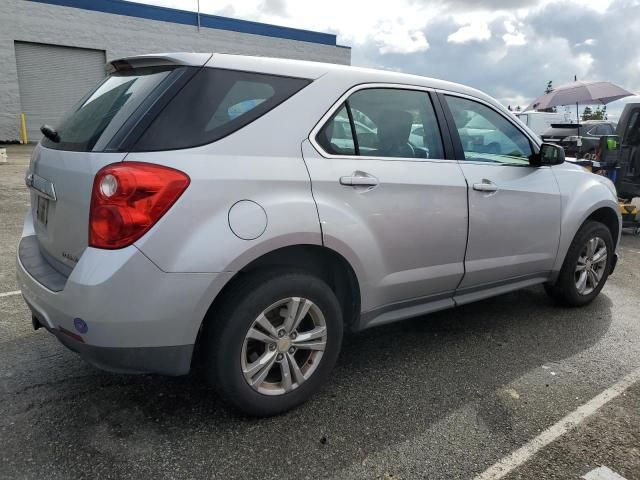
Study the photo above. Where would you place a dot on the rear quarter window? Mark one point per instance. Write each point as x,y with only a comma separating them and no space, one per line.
214,104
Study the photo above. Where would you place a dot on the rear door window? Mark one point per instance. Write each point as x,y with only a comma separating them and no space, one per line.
103,111
336,137
214,104
387,122
396,123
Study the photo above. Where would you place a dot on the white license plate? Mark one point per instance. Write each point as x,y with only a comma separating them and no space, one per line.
42,209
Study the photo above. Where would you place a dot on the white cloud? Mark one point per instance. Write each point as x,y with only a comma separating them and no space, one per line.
599,6
395,40
589,42
416,36
614,109
514,39
394,27
474,31
583,64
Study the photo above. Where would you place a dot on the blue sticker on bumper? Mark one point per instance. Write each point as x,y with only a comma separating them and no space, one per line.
81,325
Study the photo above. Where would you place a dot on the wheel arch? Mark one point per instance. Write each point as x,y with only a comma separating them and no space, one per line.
609,217
605,212
322,261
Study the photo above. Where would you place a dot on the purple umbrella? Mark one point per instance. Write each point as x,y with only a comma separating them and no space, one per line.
580,92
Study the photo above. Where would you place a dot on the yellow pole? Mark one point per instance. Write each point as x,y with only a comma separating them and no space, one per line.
23,128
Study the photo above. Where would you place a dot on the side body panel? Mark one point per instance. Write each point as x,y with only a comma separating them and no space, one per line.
196,235
514,231
581,194
514,208
262,163
407,235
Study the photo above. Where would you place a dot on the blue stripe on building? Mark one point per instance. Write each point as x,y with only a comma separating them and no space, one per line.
164,14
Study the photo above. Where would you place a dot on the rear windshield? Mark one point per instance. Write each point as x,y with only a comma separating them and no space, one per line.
214,104
103,111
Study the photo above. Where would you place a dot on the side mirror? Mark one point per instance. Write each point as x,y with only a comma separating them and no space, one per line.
550,154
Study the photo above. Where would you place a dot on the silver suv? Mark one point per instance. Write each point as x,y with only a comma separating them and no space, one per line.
254,208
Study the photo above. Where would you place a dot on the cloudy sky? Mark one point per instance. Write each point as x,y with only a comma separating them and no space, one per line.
507,48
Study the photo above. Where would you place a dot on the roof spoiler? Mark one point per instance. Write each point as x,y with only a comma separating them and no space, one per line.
158,59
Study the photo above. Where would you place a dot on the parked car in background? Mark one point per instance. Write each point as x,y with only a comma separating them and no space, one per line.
580,139
539,122
628,131
479,134
231,204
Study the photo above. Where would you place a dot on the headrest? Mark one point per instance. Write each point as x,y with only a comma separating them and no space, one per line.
394,127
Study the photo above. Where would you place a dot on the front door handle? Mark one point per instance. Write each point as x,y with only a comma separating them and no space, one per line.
359,179
485,186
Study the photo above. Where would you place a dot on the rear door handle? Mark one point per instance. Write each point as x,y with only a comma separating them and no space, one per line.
485,186
359,179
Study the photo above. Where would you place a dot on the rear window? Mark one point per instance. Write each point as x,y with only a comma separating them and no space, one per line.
562,130
214,104
102,112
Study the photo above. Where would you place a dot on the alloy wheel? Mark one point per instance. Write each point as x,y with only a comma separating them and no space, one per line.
284,346
591,265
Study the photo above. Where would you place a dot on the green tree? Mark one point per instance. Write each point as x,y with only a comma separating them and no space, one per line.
597,114
549,88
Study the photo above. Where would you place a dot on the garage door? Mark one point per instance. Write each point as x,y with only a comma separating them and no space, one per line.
52,79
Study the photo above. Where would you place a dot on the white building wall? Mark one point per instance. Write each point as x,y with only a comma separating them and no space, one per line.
122,36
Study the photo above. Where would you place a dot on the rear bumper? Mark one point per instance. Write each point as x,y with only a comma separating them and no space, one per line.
120,312
174,360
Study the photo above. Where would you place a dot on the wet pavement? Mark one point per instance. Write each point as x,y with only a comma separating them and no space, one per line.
441,396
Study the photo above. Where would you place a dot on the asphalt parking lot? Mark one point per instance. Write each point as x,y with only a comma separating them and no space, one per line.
444,396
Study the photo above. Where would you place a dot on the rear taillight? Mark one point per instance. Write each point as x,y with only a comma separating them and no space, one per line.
128,199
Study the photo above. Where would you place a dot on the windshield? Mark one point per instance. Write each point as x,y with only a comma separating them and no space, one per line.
102,112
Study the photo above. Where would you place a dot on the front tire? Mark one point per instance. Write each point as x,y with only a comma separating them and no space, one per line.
273,341
586,266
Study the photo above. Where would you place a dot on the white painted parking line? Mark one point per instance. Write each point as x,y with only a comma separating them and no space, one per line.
603,473
8,294
575,418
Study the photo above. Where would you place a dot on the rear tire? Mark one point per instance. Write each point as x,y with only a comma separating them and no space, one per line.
273,341
586,266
